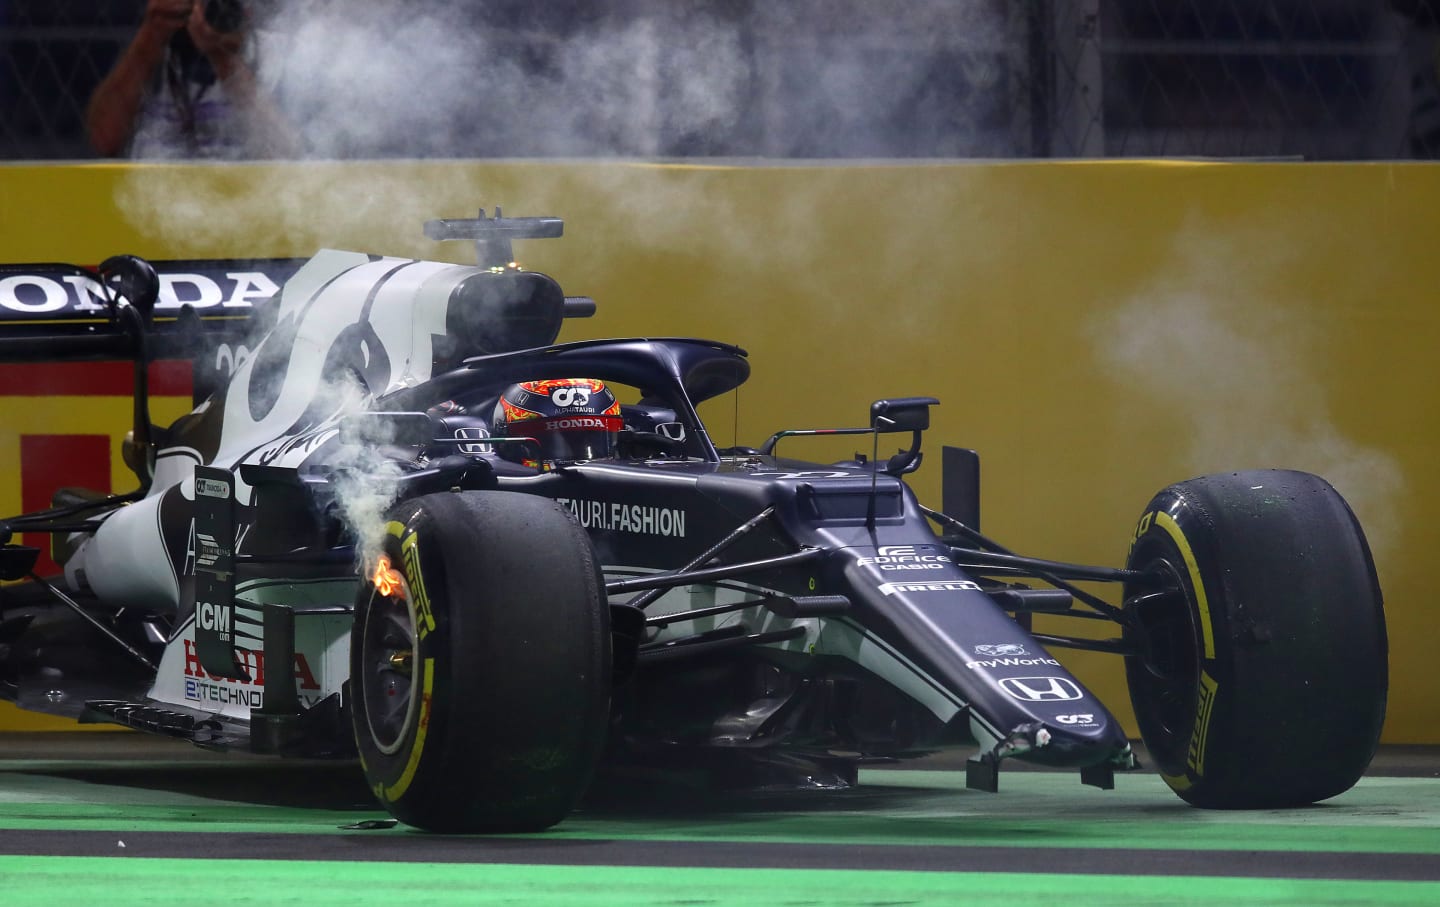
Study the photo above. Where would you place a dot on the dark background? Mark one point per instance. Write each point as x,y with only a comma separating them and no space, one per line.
1312,79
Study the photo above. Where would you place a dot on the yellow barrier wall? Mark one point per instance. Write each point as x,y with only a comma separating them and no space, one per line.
1096,330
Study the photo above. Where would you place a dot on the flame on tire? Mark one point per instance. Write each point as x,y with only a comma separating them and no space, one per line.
386,578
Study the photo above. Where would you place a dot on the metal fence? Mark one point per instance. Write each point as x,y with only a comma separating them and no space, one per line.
1312,79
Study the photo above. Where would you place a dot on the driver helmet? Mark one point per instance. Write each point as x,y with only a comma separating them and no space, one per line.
570,418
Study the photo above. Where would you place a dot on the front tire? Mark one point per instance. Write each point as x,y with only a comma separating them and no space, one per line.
480,668
1263,671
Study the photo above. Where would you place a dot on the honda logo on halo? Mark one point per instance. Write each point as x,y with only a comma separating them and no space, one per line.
1042,689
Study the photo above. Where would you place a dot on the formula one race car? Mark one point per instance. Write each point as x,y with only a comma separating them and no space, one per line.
403,523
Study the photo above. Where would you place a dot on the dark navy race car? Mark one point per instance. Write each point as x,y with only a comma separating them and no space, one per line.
403,523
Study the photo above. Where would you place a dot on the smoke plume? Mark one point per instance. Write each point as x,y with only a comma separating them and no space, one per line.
1243,370
619,81
491,79
364,481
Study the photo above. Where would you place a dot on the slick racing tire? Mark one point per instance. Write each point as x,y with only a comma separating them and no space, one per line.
480,668
1262,669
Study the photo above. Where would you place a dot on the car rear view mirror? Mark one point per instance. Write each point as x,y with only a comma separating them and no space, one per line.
901,414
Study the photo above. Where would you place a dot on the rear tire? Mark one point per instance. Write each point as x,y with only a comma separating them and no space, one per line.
480,685
1263,676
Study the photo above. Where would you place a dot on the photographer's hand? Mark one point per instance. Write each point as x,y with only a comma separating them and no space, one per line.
269,134
223,49
165,17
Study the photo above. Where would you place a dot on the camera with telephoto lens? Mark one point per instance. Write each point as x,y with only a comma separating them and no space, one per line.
225,15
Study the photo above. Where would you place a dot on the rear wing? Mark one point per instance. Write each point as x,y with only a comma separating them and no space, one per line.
201,310
59,312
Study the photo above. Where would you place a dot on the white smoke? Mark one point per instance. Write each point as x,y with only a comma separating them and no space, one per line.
396,79
365,480
468,80
1243,369
393,79
485,78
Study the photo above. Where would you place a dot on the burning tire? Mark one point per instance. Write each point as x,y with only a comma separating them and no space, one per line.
480,663
1262,676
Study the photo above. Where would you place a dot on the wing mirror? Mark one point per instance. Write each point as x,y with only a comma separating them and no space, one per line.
910,414
901,414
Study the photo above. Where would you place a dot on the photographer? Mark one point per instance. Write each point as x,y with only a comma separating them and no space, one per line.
187,85
1421,42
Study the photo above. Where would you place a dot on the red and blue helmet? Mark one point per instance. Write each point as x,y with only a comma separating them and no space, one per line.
570,419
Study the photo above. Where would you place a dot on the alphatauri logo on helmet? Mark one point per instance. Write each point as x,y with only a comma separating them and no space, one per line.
565,397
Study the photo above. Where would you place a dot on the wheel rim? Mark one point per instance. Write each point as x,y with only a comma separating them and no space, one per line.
387,656
1165,677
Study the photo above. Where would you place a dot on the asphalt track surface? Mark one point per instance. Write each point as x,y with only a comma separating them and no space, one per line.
111,818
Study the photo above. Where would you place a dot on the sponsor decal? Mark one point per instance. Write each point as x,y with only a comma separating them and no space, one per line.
639,519
424,613
34,294
204,687
1142,527
1008,655
218,693
1076,720
217,619
208,551
946,586
235,290
469,434
1012,663
1042,689
81,294
903,557
205,551
212,488
1002,650
568,396
574,423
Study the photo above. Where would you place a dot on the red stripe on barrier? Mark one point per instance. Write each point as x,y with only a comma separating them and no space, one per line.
91,379
48,462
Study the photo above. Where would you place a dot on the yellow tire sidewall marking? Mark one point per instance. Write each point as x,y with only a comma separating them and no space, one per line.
397,790
1178,782
1205,695
425,623
425,616
1202,602
1200,736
